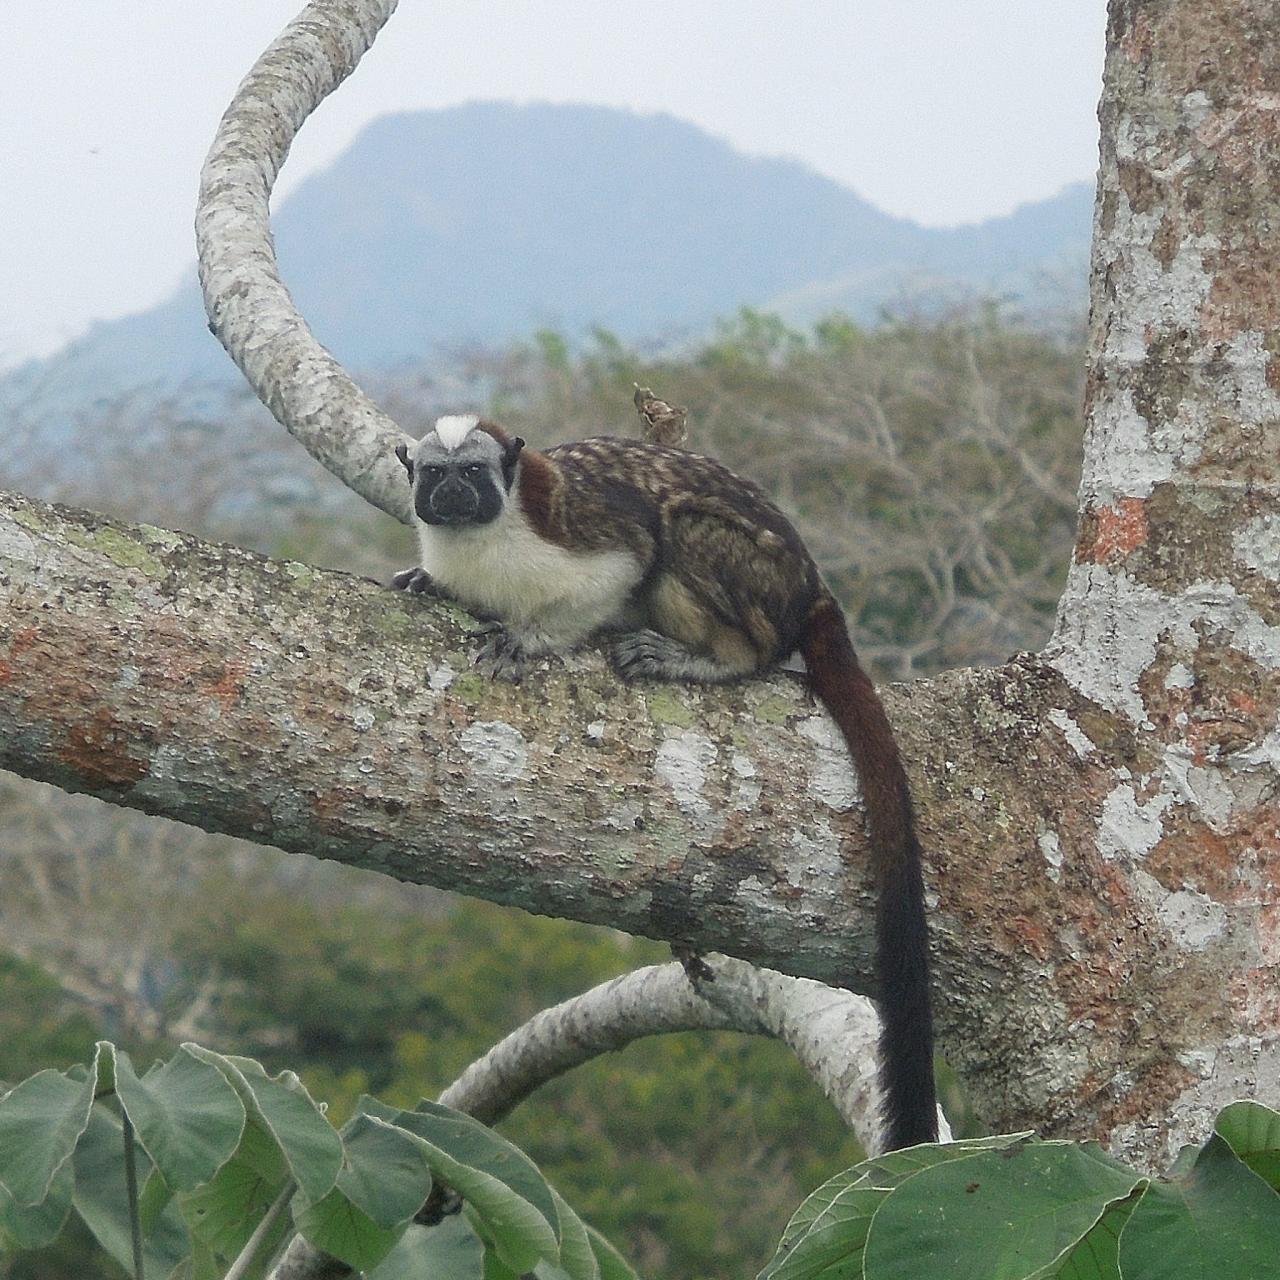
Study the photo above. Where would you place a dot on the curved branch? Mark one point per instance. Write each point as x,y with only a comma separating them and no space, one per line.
250,310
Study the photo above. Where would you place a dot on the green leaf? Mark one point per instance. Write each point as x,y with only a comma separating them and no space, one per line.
309,1143
448,1251
339,1227
101,1202
224,1212
828,1232
1220,1220
41,1121
187,1116
613,1266
1097,1256
384,1171
577,1257
499,1182
34,1226
1000,1215
1252,1131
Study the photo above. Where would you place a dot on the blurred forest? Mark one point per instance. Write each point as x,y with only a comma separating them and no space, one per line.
931,465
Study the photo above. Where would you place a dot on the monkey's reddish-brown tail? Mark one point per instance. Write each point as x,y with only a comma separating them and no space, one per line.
902,943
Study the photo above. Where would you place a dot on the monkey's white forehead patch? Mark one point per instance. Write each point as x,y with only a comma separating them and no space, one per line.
453,430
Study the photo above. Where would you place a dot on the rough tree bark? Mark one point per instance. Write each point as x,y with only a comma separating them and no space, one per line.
1102,822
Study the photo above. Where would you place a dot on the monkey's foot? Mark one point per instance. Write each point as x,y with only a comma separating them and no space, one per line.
649,655
417,581
502,656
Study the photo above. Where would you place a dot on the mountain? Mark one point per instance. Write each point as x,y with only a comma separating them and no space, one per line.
481,223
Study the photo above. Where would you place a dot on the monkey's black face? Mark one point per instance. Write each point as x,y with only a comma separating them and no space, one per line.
456,493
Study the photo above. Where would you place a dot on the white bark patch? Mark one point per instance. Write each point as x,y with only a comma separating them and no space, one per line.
1193,919
1076,737
1051,848
1207,790
1132,464
1127,830
810,858
1257,545
682,762
746,794
441,677
1109,625
834,780
17,546
499,751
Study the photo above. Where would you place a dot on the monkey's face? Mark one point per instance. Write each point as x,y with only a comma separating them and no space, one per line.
459,477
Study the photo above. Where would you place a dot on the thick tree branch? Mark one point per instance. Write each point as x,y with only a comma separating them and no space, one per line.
325,714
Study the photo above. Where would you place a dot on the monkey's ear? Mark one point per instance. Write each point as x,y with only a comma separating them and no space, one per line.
402,452
510,457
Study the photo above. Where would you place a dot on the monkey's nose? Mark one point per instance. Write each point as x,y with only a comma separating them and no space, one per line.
453,500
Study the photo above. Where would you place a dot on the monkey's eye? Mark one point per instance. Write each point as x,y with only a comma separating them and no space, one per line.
432,474
474,470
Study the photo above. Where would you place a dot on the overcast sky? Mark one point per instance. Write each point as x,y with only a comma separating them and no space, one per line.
944,111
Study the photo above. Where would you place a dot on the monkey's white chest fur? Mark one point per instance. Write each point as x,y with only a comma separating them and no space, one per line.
551,597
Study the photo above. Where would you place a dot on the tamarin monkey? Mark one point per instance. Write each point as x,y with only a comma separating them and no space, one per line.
697,576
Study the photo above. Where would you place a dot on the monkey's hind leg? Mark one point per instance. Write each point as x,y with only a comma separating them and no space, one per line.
649,655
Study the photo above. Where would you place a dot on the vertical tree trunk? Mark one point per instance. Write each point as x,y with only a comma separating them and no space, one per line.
1171,617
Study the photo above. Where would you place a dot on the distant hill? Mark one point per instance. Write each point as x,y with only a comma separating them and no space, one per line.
482,223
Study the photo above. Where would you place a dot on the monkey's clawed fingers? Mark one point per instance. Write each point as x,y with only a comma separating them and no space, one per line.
417,581
645,655
502,656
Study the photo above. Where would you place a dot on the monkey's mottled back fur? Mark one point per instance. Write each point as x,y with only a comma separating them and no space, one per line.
697,576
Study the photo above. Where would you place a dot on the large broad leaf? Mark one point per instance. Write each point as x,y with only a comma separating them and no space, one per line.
498,1181
101,1200
187,1116
828,1232
1097,1256
337,1226
384,1172
35,1226
1219,1221
383,1182
309,1143
1252,1131
224,1212
1001,1215
41,1121
448,1251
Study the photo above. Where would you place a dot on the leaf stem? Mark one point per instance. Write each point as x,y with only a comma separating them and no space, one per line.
241,1265
131,1189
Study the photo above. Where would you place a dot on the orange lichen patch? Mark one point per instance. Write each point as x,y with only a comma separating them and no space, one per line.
1269,933
1151,1094
1245,294
1191,856
1030,935
21,643
1111,533
99,751
228,686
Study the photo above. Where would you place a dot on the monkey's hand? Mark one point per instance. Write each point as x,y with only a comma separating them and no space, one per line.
503,655
416,581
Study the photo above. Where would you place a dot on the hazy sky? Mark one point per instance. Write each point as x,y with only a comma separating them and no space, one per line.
944,111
